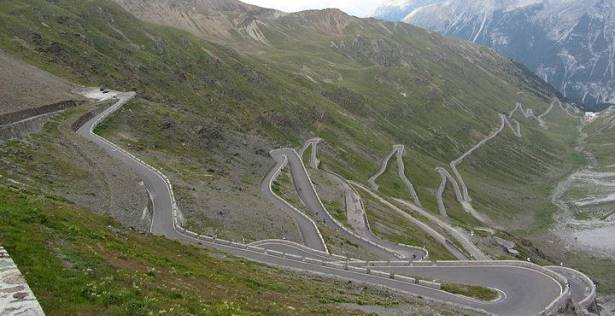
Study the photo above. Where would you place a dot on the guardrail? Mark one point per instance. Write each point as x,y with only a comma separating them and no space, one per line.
552,308
275,176
587,302
367,222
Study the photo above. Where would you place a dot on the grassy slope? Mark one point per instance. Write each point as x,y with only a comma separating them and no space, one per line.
356,103
79,263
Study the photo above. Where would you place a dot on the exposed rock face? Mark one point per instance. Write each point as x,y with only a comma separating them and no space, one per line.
569,43
219,20
234,22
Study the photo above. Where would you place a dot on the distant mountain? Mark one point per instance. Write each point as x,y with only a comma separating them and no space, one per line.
569,43
397,10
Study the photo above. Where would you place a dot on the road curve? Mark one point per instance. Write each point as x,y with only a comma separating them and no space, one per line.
446,177
526,293
307,228
521,297
419,224
401,172
398,150
381,169
470,247
358,220
155,182
582,288
311,200
314,162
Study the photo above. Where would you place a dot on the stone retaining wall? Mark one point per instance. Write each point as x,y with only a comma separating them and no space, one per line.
16,297
13,117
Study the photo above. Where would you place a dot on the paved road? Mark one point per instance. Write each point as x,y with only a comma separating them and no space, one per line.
437,236
383,167
309,198
446,177
398,151
356,212
161,195
314,162
471,248
358,220
582,287
309,232
401,172
506,279
527,297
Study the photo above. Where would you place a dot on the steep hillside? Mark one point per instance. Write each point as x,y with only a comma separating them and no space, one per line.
77,263
382,76
567,43
207,114
25,87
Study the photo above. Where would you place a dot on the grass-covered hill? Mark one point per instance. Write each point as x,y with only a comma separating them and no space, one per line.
220,83
78,263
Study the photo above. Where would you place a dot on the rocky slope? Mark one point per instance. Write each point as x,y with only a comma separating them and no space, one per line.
25,87
570,44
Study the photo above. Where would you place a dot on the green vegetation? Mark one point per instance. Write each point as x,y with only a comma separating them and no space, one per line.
77,262
388,224
276,187
337,212
207,110
477,292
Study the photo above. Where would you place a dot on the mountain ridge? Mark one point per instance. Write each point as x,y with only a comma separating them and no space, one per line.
550,30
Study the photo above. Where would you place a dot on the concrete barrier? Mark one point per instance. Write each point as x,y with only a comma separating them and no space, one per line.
405,279
356,269
333,264
274,253
588,302
430,284
313,261
294,257
380,273
206,238
224,242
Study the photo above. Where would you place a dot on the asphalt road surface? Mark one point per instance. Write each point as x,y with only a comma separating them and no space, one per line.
309,232
526,291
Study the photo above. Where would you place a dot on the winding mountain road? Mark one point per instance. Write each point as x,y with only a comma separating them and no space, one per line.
398,150
458,236
422,226
527,289
307,193
358,220
307,228
314,162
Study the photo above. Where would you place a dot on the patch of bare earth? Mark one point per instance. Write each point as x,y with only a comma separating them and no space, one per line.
23,86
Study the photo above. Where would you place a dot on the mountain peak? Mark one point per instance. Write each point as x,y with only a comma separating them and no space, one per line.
563,41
